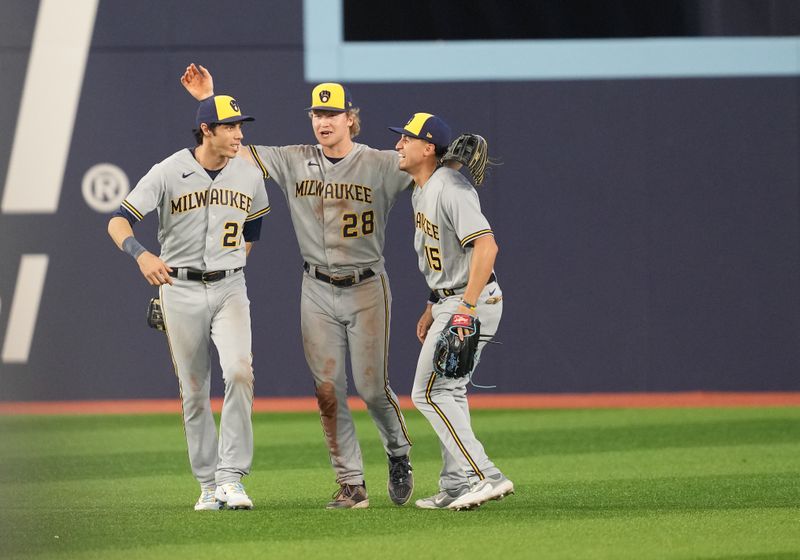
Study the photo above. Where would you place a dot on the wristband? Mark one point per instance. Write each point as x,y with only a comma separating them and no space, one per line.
468,305
133,247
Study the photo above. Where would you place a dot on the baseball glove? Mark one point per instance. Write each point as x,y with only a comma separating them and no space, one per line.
453,357
472,151
155,318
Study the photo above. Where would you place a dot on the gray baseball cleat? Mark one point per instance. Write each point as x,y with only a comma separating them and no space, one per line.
443,499
349,496
233,496
207,501
494,487
401,481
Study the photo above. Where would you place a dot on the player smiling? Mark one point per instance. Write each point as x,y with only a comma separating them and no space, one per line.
202,288
345,303
456,254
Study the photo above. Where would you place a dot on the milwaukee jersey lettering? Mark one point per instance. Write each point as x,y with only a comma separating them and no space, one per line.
212,197
339,211
447,219
200,220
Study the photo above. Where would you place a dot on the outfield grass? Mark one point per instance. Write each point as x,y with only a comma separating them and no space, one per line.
654,483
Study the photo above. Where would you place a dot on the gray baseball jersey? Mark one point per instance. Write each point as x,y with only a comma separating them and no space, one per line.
200,228
200,220
339,212
448,218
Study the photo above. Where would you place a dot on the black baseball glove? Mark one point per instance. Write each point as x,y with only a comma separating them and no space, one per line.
452,356
155,318
472,151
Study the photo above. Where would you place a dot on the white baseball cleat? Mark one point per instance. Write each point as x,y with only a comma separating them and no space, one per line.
207,500
494,487
232,495
443,499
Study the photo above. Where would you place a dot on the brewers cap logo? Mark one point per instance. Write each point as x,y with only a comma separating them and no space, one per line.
324,95
234,105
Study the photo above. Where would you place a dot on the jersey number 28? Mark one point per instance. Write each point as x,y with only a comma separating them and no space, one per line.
352,224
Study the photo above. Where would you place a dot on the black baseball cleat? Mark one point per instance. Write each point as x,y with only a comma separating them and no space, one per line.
401,481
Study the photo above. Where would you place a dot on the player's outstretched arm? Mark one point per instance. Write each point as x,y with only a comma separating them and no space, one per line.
198,81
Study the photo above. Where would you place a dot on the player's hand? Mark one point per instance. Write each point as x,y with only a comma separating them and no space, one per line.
463,309
424,323
198,81
154,269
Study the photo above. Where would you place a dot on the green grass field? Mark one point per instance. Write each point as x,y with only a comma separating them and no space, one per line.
648,483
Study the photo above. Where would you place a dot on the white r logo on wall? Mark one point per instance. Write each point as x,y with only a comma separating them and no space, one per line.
59,50
104,187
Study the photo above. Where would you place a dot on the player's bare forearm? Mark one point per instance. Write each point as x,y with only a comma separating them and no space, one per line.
198,81
154,270
119,229
484,252
425,322
247,246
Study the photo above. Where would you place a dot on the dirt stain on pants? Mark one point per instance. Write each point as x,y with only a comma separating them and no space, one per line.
326,400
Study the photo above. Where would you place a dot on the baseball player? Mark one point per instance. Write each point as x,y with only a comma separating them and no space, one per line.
339,195
204,197
456,252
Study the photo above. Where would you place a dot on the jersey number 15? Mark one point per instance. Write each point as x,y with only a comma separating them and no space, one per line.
434,258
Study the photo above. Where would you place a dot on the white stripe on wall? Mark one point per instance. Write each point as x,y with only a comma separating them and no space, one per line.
50,98
25,308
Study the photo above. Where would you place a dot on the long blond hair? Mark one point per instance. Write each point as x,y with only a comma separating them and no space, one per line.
355,128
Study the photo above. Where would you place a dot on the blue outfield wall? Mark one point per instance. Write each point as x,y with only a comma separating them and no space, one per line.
648,227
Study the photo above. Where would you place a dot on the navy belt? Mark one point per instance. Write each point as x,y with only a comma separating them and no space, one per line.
447,292
210,276
340,281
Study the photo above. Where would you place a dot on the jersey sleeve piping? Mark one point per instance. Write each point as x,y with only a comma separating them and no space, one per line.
473,236
258,161
258,214
130,208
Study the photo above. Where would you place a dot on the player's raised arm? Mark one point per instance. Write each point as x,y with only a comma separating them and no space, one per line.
198,81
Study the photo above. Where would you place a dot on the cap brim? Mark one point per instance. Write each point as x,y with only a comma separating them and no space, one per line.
404,132
237,118
323,108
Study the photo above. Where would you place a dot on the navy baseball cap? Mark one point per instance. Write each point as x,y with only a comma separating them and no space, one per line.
220,109
426,127
331,97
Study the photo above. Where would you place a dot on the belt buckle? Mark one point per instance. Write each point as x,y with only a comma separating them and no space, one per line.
343,281
213,276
